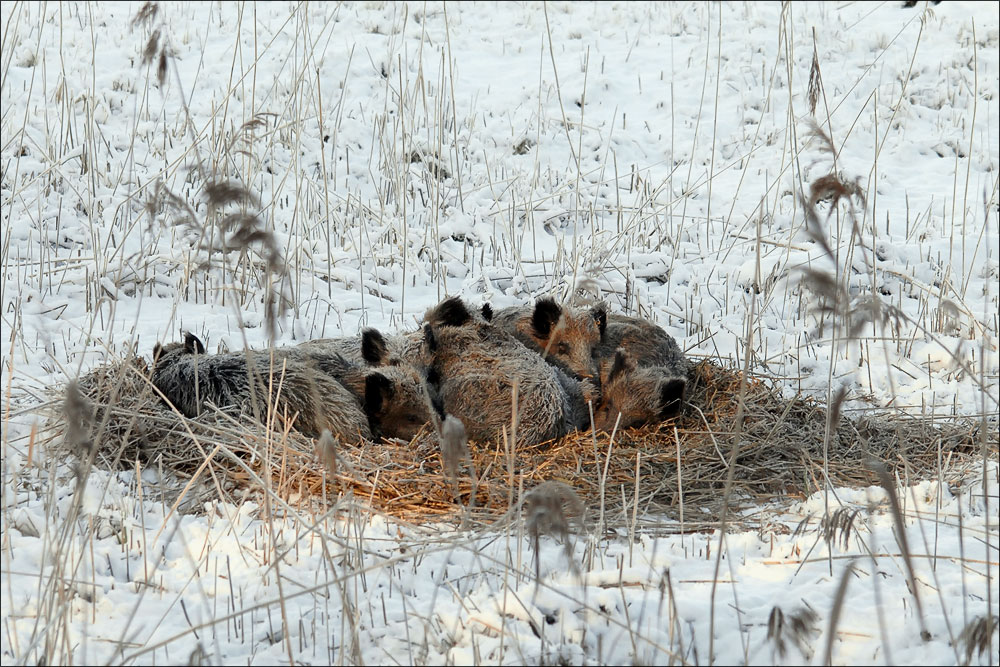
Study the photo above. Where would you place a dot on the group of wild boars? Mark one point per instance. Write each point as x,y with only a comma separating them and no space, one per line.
313,388
565,363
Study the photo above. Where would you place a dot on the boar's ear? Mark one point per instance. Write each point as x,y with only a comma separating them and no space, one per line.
671,397
545,316
450,313
429,339
373,347
192,345
378,391
157,351
487,311
437,403
600,315
432,385
618,367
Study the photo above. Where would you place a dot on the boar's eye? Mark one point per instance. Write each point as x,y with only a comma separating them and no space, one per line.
562,348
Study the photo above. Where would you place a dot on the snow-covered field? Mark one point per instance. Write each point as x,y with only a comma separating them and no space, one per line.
654,156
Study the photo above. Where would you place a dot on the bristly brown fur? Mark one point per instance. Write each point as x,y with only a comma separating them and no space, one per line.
566,337
643,374
479,365
281,380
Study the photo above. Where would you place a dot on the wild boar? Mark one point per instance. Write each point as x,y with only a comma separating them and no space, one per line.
566,337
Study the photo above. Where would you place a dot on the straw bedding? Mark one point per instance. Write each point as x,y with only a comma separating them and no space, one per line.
781,452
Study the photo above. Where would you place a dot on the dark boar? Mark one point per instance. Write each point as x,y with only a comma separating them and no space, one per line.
189,379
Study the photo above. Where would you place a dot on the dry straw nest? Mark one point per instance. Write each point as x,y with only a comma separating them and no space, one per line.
781,452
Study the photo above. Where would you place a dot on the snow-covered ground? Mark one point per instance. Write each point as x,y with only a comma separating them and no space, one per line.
653,156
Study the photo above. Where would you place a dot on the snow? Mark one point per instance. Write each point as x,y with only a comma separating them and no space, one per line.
651,155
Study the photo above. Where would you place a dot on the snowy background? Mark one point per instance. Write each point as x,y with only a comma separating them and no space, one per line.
653,156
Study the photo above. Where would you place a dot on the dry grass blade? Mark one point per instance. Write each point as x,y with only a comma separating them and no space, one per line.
865,310
243,229
152,48
775,625
977,636
326,451
79,415
146,15
815,81
833,189
897,519
838,606
550,509
814,228
798,626
223,193
454,446
155,49
242,141
161,69
838,526
836,405
816,132
824,285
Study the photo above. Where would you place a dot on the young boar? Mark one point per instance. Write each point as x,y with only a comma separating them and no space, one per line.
647,343
639,395
566,337
643,374
394,392
478,364
371,348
